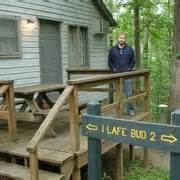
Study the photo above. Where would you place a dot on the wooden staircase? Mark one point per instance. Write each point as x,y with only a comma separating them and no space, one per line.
53,165
18,172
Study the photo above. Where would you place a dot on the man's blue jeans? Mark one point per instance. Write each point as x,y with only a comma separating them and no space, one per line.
128,93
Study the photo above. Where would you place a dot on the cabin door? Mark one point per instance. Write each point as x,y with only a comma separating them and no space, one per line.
50,56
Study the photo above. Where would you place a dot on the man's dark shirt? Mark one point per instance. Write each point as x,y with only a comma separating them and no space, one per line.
121,60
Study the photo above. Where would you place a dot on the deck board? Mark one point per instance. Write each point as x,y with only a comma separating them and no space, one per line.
21,173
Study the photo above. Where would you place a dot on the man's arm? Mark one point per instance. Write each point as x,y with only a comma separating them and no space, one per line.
132,60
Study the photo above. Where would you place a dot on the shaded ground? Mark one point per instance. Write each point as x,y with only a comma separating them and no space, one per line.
156,158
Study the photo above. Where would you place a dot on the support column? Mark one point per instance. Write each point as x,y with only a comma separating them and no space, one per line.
175,157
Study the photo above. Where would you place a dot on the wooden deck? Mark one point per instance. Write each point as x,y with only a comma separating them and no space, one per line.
32,149
53,153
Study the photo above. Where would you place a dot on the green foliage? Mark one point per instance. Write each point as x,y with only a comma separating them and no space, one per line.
178,55
156,23
137,171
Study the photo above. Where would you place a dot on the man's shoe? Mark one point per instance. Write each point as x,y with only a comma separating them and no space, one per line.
132,113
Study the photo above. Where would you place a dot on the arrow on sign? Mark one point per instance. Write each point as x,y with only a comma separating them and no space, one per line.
92,127
171,139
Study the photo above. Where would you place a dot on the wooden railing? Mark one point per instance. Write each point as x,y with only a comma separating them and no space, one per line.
90,84
32,147
7,107
71,94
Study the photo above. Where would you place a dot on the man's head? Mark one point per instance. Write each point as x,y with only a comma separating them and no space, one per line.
122,39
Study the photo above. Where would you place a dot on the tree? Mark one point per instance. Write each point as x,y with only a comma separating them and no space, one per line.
137,33
175,88
154,35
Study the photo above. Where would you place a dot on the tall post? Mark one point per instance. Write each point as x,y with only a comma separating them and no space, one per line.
119,109
33,160
74,128
146,109
175,157
94,147
9,98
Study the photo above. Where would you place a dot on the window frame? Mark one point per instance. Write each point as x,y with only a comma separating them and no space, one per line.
77,61
19,41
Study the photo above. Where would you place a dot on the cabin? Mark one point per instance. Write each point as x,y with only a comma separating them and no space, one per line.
40,39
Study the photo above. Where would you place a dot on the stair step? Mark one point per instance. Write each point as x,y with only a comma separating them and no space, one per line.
22,173
50,156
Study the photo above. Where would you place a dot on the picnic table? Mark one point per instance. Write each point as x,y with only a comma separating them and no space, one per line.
30,109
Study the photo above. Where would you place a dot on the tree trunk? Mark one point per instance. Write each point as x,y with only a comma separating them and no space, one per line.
175,69
137,33
146,46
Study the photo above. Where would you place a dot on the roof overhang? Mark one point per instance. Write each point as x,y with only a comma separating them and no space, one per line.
106,12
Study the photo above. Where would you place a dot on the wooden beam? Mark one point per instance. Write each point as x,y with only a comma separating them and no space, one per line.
9,98
3,82
97,89
146,109
4,115
119,96
74,119
49,87
88,71
49,119
119,162
141,116
28,117
33,160
22,116
132,98
127,75
147,89
3,89
109,107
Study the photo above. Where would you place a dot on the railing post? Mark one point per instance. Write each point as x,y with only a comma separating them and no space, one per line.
74,119
119,96
119,110
9,98
175,157
74,127
33,160
94,147
111,93
146,109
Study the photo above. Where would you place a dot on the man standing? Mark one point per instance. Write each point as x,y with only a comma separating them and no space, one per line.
121,59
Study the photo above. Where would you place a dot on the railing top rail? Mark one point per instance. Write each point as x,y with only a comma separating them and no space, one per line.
107,77
87,70
49,119
2,82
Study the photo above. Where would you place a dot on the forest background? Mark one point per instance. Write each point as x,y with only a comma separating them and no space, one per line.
149,25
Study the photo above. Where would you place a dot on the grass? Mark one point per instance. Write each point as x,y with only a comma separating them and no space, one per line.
138,172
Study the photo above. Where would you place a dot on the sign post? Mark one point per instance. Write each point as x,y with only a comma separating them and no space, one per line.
159,136
175,157
94,146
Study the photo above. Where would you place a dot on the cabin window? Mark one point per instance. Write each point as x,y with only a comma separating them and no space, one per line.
78,47
9,37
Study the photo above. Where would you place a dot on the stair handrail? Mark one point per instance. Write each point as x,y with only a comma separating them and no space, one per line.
32,147
49,119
